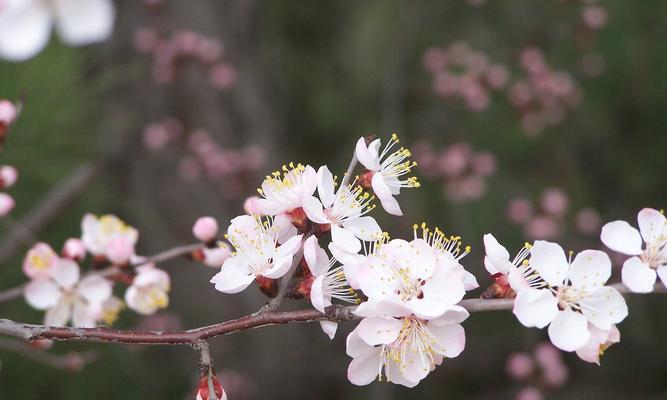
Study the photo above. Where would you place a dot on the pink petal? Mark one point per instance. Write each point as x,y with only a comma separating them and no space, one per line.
621,237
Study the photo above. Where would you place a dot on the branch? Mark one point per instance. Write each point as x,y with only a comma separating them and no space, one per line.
72,361
350,170
275,302
47,210
161,257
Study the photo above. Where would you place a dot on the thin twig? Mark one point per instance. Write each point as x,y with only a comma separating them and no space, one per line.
275,302
71,361
350,170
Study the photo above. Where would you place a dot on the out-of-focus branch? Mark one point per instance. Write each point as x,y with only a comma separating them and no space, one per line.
73,361
350,170
175,252
63,194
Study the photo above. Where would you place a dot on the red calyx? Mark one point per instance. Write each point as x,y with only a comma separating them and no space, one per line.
299,219
267,286
366,179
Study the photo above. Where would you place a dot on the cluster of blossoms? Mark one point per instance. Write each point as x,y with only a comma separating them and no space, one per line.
406,291
544,96
25,25
205,156
461,72
568,295
463,170
58,286
548,219
542,370
8,174
171,51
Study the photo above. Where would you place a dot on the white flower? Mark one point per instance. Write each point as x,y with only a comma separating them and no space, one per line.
257,253
639,272
598,343
25,25
40,261
285,191
329,283
66,297
105,234
388,169
418,275
344,209
572,296
407,348
149,291
111,308
518,271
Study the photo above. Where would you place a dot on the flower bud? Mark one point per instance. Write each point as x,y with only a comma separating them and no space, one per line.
119,250
204,389
74,249
40,261
250,205
216,256
8,114
8,176
6,204
205,229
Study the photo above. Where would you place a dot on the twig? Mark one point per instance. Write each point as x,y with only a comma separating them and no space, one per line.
350,170
47,210
72,361
275,302
175,252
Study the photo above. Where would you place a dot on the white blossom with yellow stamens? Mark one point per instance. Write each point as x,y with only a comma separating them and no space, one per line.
284,191
101,234
149,291
388,169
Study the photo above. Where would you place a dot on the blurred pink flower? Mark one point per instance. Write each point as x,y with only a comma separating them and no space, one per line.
555,201
519,210
519,366
6,204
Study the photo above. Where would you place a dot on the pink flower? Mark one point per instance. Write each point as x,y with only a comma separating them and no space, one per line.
519,366
8,176
99,232
149,291
40,261
8,112
74,249
216,256
6,204
205,229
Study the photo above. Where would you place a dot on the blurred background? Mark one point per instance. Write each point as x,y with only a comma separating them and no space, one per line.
528,119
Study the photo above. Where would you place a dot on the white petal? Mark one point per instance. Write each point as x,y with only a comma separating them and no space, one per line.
329,328
149,275
364,369
395,375
58,315
84,316
366,156
315,256
604,307
42,294
290,247
24,30
453,315
569,330
233,277
81,22
95,289
590,269
652,224
345,239
280,267
66,273
314,210
383,192
662,273
549,260
308,181
325,186
621,237
284,229
365,228
355,346
416,367
497,256
638,276
374,330
383,309
317,298
535,307
444,287
451,339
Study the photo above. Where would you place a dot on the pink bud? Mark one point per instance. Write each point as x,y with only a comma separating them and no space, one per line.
542,227
519,366
40,261
8,176
549,358
119,250
205,229
250,205
595,17
74,249
588,221
222,76
435,59
204,389
529,393
519,210
6,204
7,112
484,163
156,136
216,256
555,201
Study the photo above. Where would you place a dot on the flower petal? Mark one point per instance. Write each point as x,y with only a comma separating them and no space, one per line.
58,315
569,330
652,224
364,369
42,294
317,298
84,316
662,273
325,186
604,307
290,247
355,347
344,239
535,307
94,289
621,237
314,210
329,328
234,276
549,260
365,228
66,273
24,30
590,269
81,22
451,339
315,256
638,276
383,192
280,267
375,330
497,257
368,156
